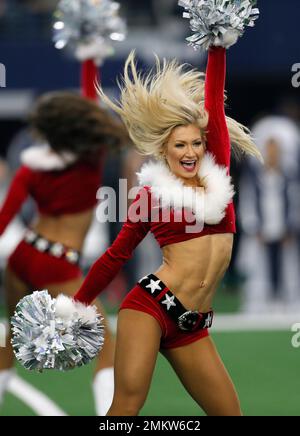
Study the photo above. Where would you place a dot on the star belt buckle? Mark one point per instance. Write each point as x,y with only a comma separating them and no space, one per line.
189,320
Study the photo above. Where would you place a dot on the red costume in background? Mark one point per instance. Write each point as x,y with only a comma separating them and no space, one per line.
56,191
61,192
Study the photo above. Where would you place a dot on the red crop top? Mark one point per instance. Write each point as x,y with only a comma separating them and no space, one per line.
67,191
132,233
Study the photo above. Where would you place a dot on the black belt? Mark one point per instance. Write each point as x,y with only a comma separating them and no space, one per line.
187,320
55,249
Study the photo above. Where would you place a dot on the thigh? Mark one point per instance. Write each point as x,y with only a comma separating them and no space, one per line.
69,287
14,290
204,376
137,346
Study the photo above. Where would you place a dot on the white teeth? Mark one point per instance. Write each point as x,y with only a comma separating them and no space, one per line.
188,162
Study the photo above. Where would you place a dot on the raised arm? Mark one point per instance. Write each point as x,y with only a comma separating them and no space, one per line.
17,194
89,77
218,141
109,264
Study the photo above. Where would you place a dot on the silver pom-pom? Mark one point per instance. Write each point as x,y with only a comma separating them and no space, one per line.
88,26
59,333
218,22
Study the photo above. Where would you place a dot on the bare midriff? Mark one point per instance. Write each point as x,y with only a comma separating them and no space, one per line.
69,230
193,269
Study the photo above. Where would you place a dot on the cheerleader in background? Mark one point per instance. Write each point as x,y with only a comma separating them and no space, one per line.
268,253
62,176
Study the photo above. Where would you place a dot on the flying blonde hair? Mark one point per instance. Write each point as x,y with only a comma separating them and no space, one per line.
152,106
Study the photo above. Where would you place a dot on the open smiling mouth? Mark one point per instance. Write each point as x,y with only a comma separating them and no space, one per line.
189,165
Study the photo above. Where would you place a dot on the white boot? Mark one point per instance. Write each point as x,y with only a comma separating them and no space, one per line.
103,388
5,377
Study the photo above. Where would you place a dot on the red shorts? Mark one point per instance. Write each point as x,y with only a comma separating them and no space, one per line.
172,336
39,269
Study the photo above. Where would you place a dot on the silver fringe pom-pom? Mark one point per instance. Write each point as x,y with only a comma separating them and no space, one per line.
218,22
89,24
59,333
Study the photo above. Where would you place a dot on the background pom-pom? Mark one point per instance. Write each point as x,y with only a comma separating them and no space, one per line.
218,22
88,27
51,333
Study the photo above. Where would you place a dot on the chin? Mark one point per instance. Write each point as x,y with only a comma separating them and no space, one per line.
179,172
188,175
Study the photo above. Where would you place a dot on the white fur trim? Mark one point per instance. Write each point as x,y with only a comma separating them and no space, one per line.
42,158
66,307
97,49
171,191
228,38
86,313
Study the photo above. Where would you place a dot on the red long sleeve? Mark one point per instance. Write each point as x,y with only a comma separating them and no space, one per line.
108,265
218,141
89,77
17,194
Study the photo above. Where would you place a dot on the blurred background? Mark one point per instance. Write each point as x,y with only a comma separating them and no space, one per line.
259,299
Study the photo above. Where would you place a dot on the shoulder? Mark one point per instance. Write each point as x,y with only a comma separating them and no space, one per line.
143,194
155,173
25,172
42,158
24,176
